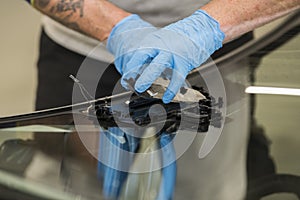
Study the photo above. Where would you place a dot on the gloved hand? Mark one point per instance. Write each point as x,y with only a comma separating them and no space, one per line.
125,38
181,46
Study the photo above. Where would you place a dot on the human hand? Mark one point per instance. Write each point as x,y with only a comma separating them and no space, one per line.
181,46
124,39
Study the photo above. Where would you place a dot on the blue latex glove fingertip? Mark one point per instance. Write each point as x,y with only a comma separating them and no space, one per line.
168,96
141,89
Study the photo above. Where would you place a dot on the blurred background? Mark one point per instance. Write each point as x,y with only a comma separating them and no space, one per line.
20,29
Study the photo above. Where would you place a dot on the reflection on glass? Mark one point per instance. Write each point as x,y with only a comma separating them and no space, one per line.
47,153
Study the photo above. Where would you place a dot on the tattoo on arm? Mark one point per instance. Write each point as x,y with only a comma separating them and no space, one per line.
63,11
70,6
42,3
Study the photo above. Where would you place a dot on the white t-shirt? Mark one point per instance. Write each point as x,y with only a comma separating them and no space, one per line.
157,12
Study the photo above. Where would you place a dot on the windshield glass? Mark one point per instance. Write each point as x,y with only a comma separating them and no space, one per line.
246,140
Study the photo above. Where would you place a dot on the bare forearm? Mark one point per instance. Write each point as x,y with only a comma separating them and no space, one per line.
95,18
240,16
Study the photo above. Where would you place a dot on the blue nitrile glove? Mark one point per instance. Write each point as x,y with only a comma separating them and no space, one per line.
112,142
167,186
125,38
181,46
